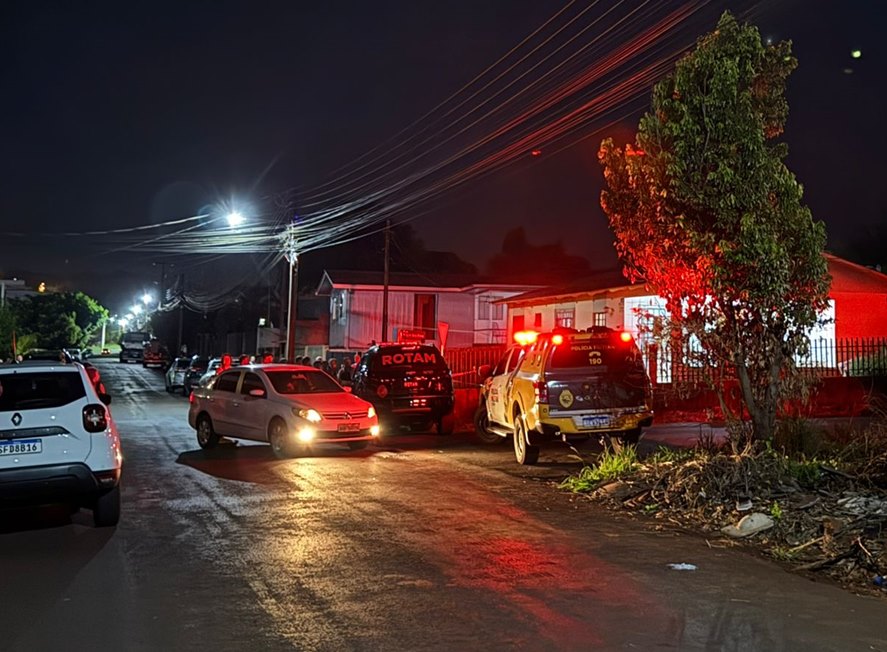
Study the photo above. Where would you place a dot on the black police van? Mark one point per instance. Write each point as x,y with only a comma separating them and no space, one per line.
408,384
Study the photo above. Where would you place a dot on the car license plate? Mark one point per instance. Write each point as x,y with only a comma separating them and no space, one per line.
596,422
21,447
349,427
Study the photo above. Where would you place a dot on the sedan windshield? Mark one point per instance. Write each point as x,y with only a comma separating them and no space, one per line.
302,382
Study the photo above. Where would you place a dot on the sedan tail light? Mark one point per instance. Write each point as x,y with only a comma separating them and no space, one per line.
95,418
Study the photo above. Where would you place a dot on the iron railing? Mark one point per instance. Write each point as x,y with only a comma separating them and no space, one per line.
464,362
681,363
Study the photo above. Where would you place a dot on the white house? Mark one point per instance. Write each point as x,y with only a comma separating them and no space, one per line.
454,311
857,311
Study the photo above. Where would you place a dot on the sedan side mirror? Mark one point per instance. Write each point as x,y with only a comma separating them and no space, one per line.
485,371
257,393
105,398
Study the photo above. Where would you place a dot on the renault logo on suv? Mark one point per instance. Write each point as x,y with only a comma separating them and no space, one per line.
16,419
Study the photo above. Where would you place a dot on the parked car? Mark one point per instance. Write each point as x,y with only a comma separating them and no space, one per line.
567,385
58,441
106,351
211,372
155,355
408,384
48,355
76,354
196,368
175,375
291,407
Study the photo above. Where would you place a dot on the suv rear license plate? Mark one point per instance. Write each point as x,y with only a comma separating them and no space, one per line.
349,427
596,422
21,447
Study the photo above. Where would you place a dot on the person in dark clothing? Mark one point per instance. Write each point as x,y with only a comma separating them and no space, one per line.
344,375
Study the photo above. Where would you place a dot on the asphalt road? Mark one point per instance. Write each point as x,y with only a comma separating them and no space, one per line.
424,543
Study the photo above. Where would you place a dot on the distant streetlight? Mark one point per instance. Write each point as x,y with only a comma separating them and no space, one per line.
235,219
147,298
136,309
856,54
122,322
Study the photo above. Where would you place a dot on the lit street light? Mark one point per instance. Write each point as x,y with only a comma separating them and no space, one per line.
235,219
147,298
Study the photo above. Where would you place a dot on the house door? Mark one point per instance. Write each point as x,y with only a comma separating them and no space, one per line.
425,314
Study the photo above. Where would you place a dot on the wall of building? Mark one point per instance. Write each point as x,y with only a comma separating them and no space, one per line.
860,315
457,309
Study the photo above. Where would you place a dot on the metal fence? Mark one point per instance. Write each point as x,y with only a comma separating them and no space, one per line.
681,363
464,362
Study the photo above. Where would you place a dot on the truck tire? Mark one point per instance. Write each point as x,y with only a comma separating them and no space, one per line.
524,453
481,421
619,441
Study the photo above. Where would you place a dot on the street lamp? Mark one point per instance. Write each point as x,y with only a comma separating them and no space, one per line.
147,298
235,219
136,309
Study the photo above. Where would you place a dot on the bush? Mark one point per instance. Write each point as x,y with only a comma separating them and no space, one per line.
610,466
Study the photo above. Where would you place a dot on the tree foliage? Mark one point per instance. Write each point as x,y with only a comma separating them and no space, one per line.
706,212
520,261
58,320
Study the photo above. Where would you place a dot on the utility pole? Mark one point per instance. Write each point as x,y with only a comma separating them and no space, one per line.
385,283
181,312
292,257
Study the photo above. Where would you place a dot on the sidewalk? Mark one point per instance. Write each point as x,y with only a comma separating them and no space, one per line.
690,434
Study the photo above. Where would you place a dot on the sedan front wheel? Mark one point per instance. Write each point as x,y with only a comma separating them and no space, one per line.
279,439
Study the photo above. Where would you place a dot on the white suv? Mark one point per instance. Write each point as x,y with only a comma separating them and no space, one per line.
58,442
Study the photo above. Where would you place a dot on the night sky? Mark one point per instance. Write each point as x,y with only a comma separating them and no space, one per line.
121,114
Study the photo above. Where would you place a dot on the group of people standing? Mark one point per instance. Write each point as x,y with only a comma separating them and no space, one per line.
341,371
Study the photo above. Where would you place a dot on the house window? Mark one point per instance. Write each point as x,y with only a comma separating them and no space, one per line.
486,309
517,323
337,307
483,308
564,317
537,320
600,319
425,314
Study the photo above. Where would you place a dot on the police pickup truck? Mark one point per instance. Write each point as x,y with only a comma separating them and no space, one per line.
566,385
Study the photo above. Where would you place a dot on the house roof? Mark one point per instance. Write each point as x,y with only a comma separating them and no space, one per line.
375,280
850,277
576,289
846,277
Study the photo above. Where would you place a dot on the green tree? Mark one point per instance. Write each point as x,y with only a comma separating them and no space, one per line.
7,328
59,320
705,211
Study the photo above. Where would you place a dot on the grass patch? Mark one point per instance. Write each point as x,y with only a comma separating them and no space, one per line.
610,466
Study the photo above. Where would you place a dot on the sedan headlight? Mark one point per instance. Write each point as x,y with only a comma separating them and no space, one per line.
309,415
371,412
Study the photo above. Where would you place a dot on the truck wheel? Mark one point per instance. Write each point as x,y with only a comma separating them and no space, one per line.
619,441
524,453
481,421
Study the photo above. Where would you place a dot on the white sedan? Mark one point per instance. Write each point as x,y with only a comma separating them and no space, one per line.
289,406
